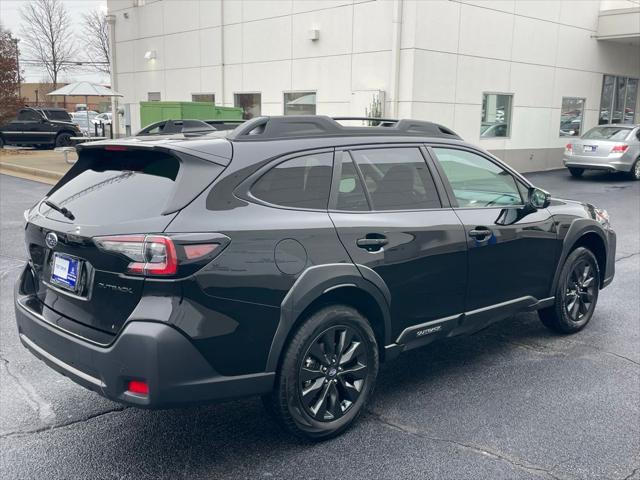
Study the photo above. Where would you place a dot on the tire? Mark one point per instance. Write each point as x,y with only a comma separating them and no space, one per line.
576,294
634,173
576,172
63,140
333,398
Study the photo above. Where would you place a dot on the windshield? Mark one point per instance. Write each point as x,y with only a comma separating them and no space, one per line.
607,133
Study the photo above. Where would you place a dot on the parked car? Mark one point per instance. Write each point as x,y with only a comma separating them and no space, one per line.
50,127
102,118
84,119
613,148
287,258
171,127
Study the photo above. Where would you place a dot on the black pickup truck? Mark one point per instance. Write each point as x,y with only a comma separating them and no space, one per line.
51,127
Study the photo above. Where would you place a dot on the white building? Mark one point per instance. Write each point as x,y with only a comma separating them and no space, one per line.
514,76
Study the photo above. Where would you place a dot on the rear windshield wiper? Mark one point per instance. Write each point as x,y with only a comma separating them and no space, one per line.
64,211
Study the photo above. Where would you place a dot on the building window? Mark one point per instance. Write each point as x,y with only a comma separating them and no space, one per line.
618,100
571,116
496,115
153,96
203,97
250,104
300,103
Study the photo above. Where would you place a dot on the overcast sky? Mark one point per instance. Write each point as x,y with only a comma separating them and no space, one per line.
10,19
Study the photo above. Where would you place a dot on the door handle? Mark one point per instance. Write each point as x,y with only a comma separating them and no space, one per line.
372,242
479,233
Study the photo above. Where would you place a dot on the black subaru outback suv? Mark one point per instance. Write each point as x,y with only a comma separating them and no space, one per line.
287,258
51,127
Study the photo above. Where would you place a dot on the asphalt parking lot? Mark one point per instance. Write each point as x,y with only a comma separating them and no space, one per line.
512,402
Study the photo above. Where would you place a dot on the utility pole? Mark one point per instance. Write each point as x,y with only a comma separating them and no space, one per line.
15,42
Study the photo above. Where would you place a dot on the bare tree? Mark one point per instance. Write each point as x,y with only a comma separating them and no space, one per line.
97,44
48,36
10,100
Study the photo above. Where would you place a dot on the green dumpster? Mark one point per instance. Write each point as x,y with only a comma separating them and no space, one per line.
151,112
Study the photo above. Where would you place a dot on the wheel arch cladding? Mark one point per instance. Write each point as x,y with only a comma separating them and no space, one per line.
325,284
583,233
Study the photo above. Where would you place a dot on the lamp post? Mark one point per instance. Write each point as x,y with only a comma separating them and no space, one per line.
115,119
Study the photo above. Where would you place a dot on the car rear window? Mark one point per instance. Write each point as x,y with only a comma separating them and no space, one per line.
607,133
116,186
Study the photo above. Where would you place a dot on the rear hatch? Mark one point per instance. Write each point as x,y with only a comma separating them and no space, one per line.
110,191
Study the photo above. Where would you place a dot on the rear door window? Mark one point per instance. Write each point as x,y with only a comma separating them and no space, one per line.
29,116
302,182
397,178
58,115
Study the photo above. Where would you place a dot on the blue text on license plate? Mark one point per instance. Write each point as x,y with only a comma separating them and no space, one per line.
65,271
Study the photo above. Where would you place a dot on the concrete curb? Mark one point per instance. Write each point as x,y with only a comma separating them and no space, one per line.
31,171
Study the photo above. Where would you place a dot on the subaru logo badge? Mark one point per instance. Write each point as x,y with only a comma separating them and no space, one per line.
51,239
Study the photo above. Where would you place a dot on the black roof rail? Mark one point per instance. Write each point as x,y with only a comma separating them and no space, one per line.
303,126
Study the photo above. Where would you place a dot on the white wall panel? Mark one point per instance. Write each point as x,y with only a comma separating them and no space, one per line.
181,15
182,50
210,46
335,27
542,9
372,26
437,25
485,33
210,13
265,40
261,9
329,76
534,41
233,43
269,78
532,85
434,76
180,84
371,71
477,75
150,19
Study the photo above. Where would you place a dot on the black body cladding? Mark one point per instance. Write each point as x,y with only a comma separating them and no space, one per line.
421,233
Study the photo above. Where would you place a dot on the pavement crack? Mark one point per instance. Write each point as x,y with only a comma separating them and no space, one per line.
20,433
546,472
34,400
632,474
627,256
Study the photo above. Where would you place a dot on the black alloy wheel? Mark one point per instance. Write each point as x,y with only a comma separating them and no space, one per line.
576,294
327,374
580,290
332,373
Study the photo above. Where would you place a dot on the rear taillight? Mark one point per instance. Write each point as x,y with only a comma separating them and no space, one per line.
619,148
138,387
157,255
151,254
568,148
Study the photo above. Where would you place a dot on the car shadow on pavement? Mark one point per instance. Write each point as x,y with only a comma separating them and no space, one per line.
222,437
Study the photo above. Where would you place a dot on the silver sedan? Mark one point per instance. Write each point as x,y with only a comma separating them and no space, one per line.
615,148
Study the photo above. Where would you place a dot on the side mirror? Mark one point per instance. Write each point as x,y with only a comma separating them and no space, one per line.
538,198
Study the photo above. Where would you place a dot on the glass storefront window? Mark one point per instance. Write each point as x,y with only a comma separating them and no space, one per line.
496,115
300,103
571,116
618,100
251,104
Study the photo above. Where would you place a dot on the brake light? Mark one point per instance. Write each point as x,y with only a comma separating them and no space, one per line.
151,254
136,386
116,148
619,148
569,148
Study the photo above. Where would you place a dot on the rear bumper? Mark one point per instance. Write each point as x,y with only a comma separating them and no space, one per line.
613,164
157,353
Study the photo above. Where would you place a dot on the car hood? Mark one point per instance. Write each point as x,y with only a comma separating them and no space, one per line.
62,123
561,206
